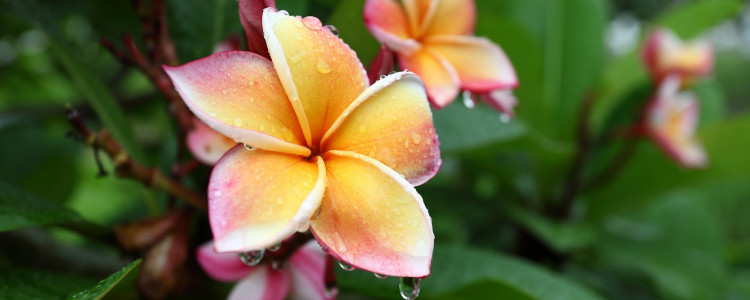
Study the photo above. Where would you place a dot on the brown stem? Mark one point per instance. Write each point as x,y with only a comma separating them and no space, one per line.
583,138
127,168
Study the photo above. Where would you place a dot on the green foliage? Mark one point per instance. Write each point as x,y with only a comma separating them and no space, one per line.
105,285
20,210
29,284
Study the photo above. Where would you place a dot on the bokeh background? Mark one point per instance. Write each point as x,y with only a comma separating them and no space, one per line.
655,230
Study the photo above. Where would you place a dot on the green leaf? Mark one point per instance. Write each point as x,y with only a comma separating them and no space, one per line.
197,26
347,17
676,242
459,128
650,173
20,210
28,284
90,84
457,271
103,287
562,237
627,72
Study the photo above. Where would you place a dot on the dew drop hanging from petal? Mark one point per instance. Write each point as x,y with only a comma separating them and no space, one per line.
332,29
252,258
380,276
409,287
274,248
468,101
346,267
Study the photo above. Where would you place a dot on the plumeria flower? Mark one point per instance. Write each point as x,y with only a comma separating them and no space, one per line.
664,54
302,279
207,145
433,38
322,149
671,121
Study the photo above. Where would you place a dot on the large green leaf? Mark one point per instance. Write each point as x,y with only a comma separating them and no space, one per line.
459,128
650,173
27,284
90,84
676,242
105,285
21,210
462,273
626,73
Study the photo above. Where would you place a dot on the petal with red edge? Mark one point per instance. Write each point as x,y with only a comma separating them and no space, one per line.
263,284
438,75
225,267
372,218
392,123
239,95
258,198
502,100
452,17
206,144
386,21
319,72
307,267
480,64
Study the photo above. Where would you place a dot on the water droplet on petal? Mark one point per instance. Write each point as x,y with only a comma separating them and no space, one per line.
312,23
224,92
252,258
468,101
275,264
332,29
212,113
218,193
331,292
409,288
362,129
248,147
237,121
346,267
416,138
274,248
380,276
252,100
323,67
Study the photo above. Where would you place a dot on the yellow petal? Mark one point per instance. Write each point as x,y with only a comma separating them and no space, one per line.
258,198
320,73
452,17
387,22
438,75
480,64
239,95
392,123
371,218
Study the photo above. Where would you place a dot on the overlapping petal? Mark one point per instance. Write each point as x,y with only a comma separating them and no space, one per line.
388,23
239,95
226,267
257,198
307,267
392,123
320,73
372,218
438,75
418,13
206,144
451,17
262,284
480,64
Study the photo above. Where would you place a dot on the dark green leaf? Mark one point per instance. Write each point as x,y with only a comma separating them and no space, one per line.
89,84
459,128
197,26
20,210
562,237
347,17
30,284
103,287
694,17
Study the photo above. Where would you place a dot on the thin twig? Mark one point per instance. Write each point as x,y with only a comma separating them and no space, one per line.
127,168
583,138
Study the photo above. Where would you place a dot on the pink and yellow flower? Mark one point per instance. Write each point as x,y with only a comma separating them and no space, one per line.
433,38
665,54
302,279
671,121
328,152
